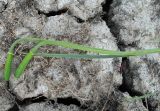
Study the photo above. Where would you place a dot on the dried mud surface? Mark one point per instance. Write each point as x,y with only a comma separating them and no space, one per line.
76,84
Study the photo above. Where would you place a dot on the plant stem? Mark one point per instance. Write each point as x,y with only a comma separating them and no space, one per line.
10,55
73,56
65,44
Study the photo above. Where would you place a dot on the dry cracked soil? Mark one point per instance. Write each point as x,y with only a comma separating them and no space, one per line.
112,84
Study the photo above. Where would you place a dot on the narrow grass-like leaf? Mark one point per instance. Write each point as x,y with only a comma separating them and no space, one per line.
141,97
10,55
74,56
66,44
8,64
23,64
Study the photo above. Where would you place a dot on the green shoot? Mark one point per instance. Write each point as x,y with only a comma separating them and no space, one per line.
73,56
30,55
65,44
8,64
10,54
140,97
23,64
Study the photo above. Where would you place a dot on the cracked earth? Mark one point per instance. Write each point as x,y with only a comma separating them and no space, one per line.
75,84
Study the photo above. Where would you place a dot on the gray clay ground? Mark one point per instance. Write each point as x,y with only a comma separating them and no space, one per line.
82,85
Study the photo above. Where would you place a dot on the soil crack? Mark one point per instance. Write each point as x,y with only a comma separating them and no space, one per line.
53,13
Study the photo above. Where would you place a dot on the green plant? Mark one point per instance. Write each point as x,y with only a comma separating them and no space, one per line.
147,95
42,42
10,54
